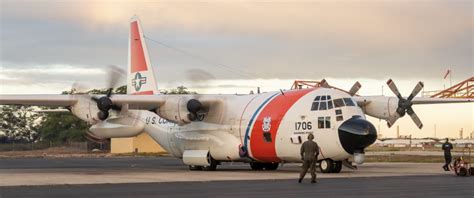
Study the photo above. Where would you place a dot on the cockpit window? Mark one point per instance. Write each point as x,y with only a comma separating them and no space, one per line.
338,103
329,104
322,105
349,102
315,106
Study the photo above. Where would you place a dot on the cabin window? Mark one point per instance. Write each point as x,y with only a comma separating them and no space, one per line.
320,122
338,112
339,118
324,122
327,122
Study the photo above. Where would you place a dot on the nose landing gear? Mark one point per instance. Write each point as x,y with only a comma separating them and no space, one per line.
330,166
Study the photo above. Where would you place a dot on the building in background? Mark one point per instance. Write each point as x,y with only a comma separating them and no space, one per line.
142,143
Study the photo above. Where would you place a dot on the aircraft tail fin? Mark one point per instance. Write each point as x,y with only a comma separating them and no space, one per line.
140,76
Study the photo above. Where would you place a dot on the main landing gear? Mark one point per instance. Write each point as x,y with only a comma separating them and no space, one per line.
211,167
261,166
330,166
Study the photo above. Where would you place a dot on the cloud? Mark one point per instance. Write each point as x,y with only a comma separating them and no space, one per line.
269,39
366,22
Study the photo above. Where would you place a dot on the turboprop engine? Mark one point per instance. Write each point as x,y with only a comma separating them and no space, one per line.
118,127
392,108
182,110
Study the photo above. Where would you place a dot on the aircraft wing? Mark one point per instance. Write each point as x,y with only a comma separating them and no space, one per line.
134,101
365,100
207,108
38,100
440,100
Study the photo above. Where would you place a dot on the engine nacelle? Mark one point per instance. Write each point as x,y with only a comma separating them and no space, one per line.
381,107
175,110
86,110
118,127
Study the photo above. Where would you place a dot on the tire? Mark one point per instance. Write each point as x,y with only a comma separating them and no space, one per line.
337,167
271,166
463,171
326,165
212,165
195,168
256,166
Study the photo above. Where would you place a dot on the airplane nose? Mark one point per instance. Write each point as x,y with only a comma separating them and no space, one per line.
356,134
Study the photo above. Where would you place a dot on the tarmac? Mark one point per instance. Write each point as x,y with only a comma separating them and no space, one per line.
165,177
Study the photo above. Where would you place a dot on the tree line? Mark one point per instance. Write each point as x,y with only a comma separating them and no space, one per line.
21,124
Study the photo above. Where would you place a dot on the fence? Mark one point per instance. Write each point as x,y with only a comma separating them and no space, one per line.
70,146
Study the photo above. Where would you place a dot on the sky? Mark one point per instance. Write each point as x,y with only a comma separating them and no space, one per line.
235,46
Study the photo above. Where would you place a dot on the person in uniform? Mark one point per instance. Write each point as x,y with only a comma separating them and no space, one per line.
309,155
447,146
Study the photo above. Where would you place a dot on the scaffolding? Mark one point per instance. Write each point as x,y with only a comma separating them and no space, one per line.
464,89
300,84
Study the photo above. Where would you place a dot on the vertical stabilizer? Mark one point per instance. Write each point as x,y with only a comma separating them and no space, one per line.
140,76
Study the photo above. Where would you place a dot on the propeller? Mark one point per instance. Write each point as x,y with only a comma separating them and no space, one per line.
104,103
355,88
404,105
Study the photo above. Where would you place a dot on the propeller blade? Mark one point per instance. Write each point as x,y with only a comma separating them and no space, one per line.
415,118
392,120
324,83
416,90
394,88
114,75
109,92
355,88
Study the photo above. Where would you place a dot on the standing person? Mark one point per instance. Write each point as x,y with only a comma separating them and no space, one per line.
447,146
309,155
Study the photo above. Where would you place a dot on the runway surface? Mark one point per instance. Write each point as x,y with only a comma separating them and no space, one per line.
168,177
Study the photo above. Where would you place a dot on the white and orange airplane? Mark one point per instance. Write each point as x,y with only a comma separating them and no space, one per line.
261,129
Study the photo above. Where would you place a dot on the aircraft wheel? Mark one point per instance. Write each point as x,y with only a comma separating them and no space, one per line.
212,166
463,171
337,167
256,166
194,168
326,165
271,166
